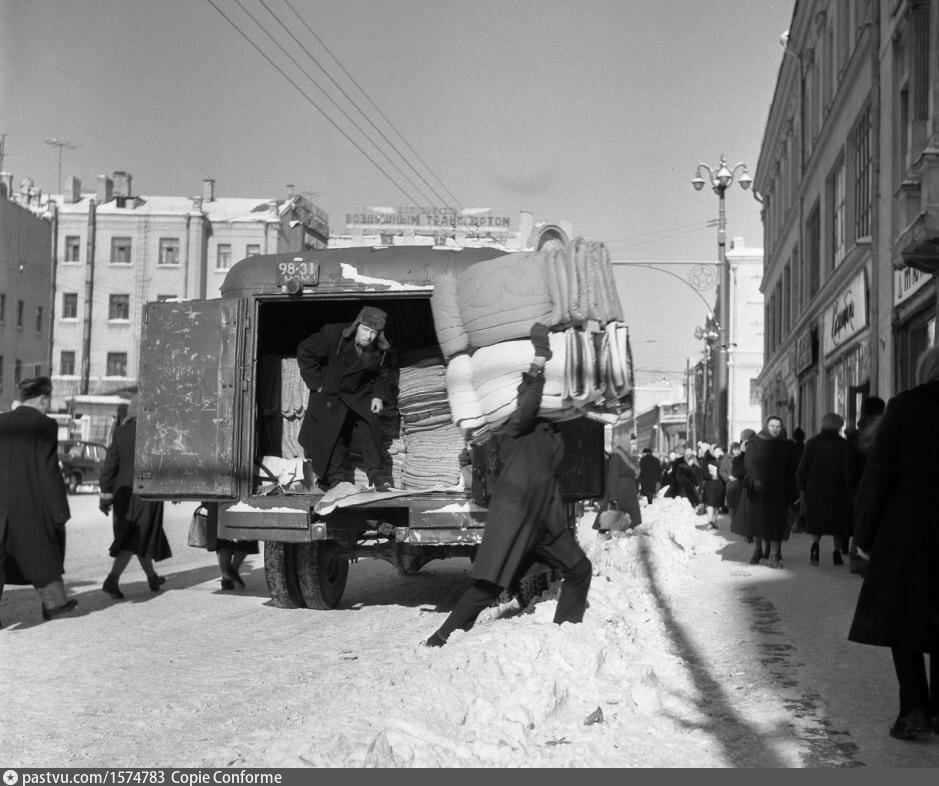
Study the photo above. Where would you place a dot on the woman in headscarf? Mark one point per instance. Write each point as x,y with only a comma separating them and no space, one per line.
896,525
622,485
770,489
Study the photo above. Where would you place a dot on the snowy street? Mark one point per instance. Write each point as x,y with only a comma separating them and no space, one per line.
694,658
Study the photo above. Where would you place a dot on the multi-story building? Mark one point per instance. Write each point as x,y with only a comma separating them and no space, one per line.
849,175
25,284
117,250
816,176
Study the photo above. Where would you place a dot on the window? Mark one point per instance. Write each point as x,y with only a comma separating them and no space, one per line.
754,393
67,363
17,372
813,252
20,308
223,256
862,176
120,250
73,247
787,300
837,191
117,364
39,319
169,251
1,373
252,249
69,305
3,307
119,307
164,298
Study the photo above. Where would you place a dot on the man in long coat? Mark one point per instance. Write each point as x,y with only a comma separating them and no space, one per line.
896,525
650,473
770,488
821,478
348,372
526,519
33,499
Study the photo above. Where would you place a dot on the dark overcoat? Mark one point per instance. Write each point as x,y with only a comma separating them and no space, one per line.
525,510
650,473
33,499
820,477
770,485
737,498
622,485
897,524
340,379
137,523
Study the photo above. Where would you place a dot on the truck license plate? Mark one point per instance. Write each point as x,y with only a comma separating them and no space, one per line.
307,273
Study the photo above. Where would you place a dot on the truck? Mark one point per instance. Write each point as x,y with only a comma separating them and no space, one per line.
207,369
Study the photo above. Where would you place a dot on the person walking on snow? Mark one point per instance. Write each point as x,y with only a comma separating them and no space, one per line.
526,519
770,488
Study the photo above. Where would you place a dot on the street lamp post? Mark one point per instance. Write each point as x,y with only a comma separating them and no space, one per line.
720,179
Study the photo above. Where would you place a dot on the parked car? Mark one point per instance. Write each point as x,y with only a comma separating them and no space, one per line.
81,462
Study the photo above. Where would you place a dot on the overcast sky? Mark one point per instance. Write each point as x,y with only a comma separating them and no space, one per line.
594,111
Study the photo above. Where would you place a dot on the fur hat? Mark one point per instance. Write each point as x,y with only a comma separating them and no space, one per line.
372,317
33,388
832,421
798,434
746,434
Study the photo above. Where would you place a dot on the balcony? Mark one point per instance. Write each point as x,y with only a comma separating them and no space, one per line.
917,244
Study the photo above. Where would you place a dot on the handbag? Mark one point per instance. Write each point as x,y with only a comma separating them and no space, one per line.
197,528
611,519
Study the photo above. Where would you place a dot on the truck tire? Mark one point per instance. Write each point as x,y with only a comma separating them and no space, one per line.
280,570
322,571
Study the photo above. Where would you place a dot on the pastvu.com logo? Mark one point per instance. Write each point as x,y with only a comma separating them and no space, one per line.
11,777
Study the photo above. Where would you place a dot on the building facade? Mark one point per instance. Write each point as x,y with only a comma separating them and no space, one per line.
849,175
26,280
116,250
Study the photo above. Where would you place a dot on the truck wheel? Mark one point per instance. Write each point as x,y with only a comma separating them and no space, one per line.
74,481
280,570
322,571
530,587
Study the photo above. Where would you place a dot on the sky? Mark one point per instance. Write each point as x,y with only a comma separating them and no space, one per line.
594,112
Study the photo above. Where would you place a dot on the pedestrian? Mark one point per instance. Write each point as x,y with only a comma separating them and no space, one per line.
230,554
897,527
347,368
859,441
770,489
736,489
684,478
622,485
712,486
820,477
33,499
650,474
798,448
137,523
526,520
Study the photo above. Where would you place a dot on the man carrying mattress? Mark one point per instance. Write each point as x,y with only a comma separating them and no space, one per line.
526,520
348,372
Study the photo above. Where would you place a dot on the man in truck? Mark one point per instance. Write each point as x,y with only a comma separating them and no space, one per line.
526,519
347,369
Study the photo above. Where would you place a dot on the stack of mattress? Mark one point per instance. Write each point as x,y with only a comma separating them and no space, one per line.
483,318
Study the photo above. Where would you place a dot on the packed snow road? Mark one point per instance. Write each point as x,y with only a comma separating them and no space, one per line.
693,657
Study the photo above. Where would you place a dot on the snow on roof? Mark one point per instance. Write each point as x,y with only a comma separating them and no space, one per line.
352,274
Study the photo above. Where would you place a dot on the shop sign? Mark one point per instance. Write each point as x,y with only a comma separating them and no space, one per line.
907,282
427,218
847,316
804,357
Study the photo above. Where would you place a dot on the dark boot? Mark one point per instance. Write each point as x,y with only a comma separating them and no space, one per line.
836,557
110,586
813,554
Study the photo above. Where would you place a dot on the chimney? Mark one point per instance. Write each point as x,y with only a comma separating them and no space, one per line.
105,192
122,184
208,190
6,184
196,203
73,190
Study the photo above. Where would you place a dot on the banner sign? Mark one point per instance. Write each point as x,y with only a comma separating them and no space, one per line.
847,316
427,218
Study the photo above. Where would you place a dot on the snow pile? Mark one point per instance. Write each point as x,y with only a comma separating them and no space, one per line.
517,690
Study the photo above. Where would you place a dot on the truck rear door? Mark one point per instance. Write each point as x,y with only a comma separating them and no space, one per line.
187,420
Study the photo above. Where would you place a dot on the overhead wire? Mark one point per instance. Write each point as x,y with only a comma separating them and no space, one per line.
369,99
313,103
329,97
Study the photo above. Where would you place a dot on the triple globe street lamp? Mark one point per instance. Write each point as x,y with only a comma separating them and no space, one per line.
720,178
